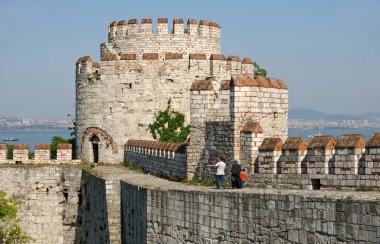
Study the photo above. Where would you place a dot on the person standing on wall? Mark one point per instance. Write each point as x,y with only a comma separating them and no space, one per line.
235,175
244,178
220,167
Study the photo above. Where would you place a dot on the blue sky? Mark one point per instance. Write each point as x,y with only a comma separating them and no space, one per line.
326,51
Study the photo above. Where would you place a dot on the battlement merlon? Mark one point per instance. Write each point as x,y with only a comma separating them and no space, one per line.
85,66
129,37
198,64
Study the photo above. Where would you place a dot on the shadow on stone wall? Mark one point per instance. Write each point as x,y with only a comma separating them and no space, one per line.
133,214
219,141
95,226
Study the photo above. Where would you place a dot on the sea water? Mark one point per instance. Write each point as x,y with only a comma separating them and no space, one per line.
33,137
335,132
44,137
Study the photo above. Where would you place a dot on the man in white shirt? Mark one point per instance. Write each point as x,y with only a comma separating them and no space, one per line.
220,167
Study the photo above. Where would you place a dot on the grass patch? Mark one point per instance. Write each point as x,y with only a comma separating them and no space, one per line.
194,182
133,167
261,186
366,188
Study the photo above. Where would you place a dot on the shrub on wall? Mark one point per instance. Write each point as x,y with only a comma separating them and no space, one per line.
10,231
170,126
259,71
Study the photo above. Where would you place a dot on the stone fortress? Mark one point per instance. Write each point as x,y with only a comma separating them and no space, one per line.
231,113
140,70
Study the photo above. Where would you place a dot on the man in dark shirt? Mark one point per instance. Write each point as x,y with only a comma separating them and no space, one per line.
235,175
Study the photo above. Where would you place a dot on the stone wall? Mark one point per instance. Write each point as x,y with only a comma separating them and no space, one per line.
134,211
120,206
48,201
225,121
185,216
127,37
95,225
42,154
102,206
167,159
349,162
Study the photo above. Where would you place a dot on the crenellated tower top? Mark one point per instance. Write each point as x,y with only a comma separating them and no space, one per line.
125,37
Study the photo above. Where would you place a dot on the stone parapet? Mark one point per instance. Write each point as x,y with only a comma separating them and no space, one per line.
199,215
294,152
42,153
320,154
349,151
3,152
64,153
167,159
340,162
269,154
325,181
371,162
20,152
127,36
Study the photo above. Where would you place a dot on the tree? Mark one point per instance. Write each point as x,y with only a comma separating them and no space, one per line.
170,126
259,71
54,144
9,151
10,231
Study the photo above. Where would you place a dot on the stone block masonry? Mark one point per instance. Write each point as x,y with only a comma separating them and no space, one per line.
320,155
64,152
139,71
349,162
231,118
372,157
159,211
42,154
269,154
3,152
167,159
95,225
20,152
122,206
294,154
127,37
48,201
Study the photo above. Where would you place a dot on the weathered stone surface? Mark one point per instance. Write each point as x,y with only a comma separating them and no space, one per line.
177,213
139,72
351,141
322,142
48,201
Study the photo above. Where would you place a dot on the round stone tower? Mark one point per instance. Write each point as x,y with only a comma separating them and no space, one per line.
139,71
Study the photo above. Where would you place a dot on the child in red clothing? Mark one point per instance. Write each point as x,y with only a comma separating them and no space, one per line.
244,178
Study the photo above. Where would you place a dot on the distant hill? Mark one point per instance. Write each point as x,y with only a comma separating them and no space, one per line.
310,114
